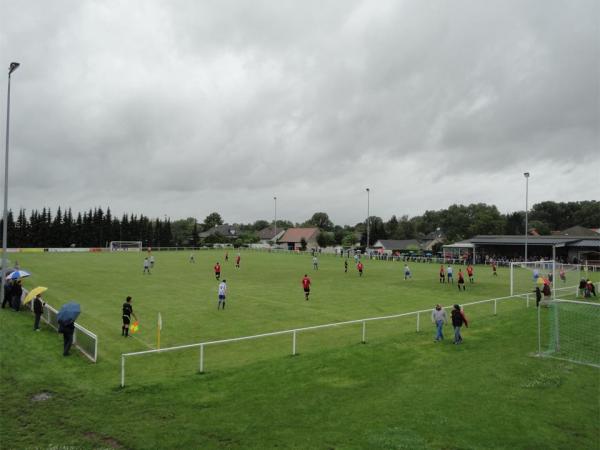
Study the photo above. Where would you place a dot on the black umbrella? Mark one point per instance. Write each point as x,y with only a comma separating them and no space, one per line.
69,312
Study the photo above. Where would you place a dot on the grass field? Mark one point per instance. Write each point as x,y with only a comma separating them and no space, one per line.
400,390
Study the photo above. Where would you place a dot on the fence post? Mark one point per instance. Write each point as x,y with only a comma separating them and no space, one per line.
202,358
495,306
122,370
418,322
364,332
294,343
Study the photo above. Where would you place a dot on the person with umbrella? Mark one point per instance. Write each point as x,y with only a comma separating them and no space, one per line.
17,293
38,304
66,324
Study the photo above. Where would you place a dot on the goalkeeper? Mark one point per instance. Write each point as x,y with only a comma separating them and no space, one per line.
127,313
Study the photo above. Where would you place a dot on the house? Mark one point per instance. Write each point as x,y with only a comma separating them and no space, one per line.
391,246
270,235
292,238
227,231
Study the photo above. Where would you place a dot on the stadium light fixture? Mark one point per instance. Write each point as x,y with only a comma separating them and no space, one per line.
526,175
13,66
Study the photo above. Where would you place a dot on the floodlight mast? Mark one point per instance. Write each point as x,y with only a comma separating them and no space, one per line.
526,175
368,218
13,66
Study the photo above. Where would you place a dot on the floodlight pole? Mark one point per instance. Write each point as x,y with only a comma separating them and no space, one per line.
275,237
368,218
526,174
13,66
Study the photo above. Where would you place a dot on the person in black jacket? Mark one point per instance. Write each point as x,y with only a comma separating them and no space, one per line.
538,296
38,310
7,293
67,329
458,320
17,293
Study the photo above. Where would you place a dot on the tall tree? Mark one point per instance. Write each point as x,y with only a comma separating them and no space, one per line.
212,220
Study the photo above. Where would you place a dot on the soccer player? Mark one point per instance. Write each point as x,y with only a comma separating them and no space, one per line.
217,271
146,266
345,266
192,258
360,267
442,274
315,263
562,275
494,269
470,273
127,313
449,274
152,261
407,274
237,261
222,294
306,286
226,256
536,275
461,280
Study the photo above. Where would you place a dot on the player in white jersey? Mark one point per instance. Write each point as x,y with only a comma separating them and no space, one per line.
222,294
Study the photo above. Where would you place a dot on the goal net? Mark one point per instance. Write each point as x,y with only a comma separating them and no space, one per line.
568,330
135,246
564,278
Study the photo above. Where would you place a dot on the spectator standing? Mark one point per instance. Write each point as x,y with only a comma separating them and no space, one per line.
38,310
439,318
67,329
458,320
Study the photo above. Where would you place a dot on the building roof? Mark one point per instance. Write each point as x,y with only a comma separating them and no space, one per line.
266,234
532,240
296,234
392,244
225,230
579,231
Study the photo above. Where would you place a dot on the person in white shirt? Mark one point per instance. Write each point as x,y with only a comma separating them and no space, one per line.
222,294
449,274
407,274
146,266
151,260
315,263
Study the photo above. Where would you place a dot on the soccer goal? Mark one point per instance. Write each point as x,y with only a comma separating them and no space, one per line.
526,276
568,330
127,246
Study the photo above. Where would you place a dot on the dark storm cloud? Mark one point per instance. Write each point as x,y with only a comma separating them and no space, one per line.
188,107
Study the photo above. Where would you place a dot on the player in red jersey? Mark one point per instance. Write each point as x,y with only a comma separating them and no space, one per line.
461,280
360,267
442,274
306,286
237,261
470,273
217,271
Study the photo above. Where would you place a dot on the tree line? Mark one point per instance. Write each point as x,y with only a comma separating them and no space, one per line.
96,227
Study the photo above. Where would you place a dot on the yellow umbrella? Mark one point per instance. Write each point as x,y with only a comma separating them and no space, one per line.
33,293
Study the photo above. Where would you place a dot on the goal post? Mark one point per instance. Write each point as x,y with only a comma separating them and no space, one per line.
128,246
568,330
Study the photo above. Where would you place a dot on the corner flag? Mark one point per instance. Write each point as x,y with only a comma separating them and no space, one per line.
158,328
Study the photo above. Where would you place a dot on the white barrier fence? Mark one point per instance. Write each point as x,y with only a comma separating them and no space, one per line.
296,331
83,339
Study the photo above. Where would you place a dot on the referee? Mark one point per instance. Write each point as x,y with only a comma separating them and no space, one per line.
127,313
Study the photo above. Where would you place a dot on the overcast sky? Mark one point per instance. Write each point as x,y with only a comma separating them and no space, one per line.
186,107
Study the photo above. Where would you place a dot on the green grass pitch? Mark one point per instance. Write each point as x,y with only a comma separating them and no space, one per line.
400,390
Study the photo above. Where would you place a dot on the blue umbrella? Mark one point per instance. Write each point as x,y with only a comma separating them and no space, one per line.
68,312
15,275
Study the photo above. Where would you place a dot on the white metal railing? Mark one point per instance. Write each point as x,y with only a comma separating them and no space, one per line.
294,332
83,339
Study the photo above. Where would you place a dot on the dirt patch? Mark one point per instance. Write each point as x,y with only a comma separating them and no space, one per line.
42,397
110,442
